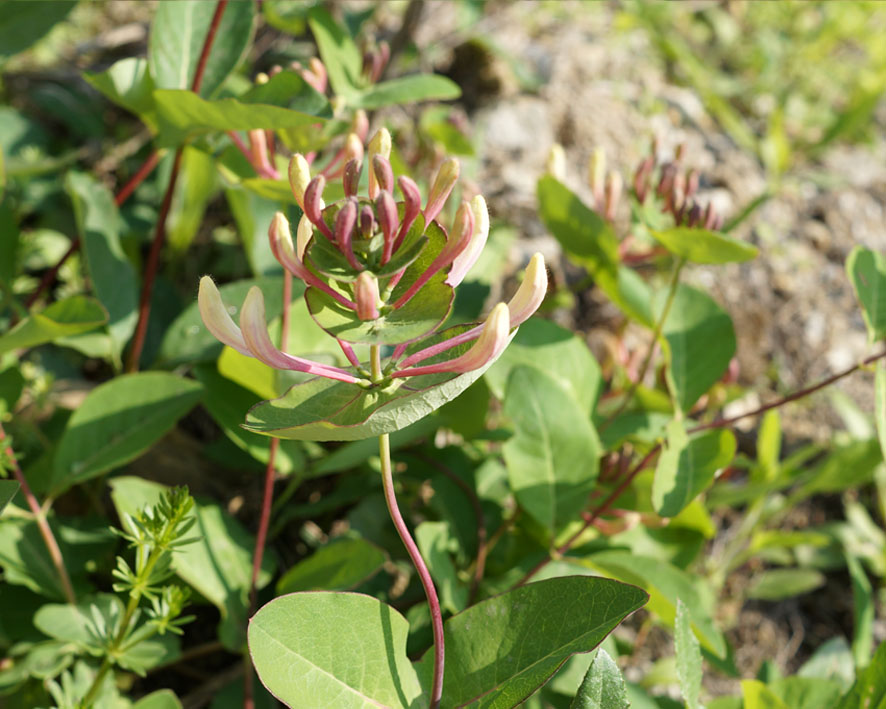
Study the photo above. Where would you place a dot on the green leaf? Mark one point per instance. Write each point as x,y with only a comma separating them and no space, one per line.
591,242
218,564
195,187
863,612
185,115
161,699
341,565
603,687
666,584
807,692
178,33
340,55
553,457
776,584
501,650
128,84
76,624
880,404
118,421
869,690
187,341
700,342
867,271
24,23
10,238
757,695
559,353
327,410
342,650
8,488
688,657
436,542
687,466
70,316
703,246
407,89
288,90
113,278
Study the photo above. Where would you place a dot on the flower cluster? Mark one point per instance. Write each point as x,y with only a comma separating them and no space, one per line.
378,272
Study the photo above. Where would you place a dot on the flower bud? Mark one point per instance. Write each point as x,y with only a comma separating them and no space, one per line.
345,221
641,178
384,174
446,178
691,183
366,296
217,318
531,292
597,176
556,162
379,145
351,177
612,194
467,258
360,124
411,207
314,205
303,234
386,210
353,148
367,221
299,177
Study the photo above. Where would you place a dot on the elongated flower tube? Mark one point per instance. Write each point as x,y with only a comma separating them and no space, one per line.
411,207
379,145
446,178
366,295
251,338
489,345
351,177
467,258
345,221
299,178
386,209
384,173
314,205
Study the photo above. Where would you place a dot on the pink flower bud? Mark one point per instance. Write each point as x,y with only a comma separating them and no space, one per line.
446,178
345,221
467,258
299,177
384,175
360,125
411,207
217,318
531,292
314,205
366,295
354,148
367,221
386,210
379,145
351,177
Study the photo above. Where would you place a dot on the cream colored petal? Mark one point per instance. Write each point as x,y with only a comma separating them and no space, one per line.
217,319
531,292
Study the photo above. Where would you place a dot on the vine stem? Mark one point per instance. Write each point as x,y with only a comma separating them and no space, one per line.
264,522
387,477
55,553
144,307
604,506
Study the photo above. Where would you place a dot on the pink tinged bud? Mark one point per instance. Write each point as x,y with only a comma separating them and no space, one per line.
384,56
411,207
456,244
666,181
386,209
384,174
489,345
345,221
349,352
299,177
367,221
691,183
351,177
446,178
360,125
641,178
217,318
597,176
354,148
303,235
467,258
531,292
379,145
314,205
612,194
255,332
366,295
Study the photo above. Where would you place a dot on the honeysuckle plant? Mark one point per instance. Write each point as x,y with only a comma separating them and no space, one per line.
382,273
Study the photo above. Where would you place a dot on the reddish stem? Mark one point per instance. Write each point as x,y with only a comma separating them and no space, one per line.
52,547
144,308
146,169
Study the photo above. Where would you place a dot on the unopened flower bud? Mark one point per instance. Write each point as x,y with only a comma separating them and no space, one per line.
641,178
691,183
353,148
360,124
531,292
612,194
384,174
386,210
446,178
345,221
556,162
379,145
467,258
351,177
299,178
597,176
303,234
314,205
411,206
666,181
217,318
367,221
366,296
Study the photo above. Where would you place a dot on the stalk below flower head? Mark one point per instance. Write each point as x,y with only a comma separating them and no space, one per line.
381,272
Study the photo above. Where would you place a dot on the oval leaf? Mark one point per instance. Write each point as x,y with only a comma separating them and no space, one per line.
603,687
703,246
339,650
70,316
867,271
339,566
118,421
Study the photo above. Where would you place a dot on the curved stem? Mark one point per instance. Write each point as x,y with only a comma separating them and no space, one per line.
384,448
